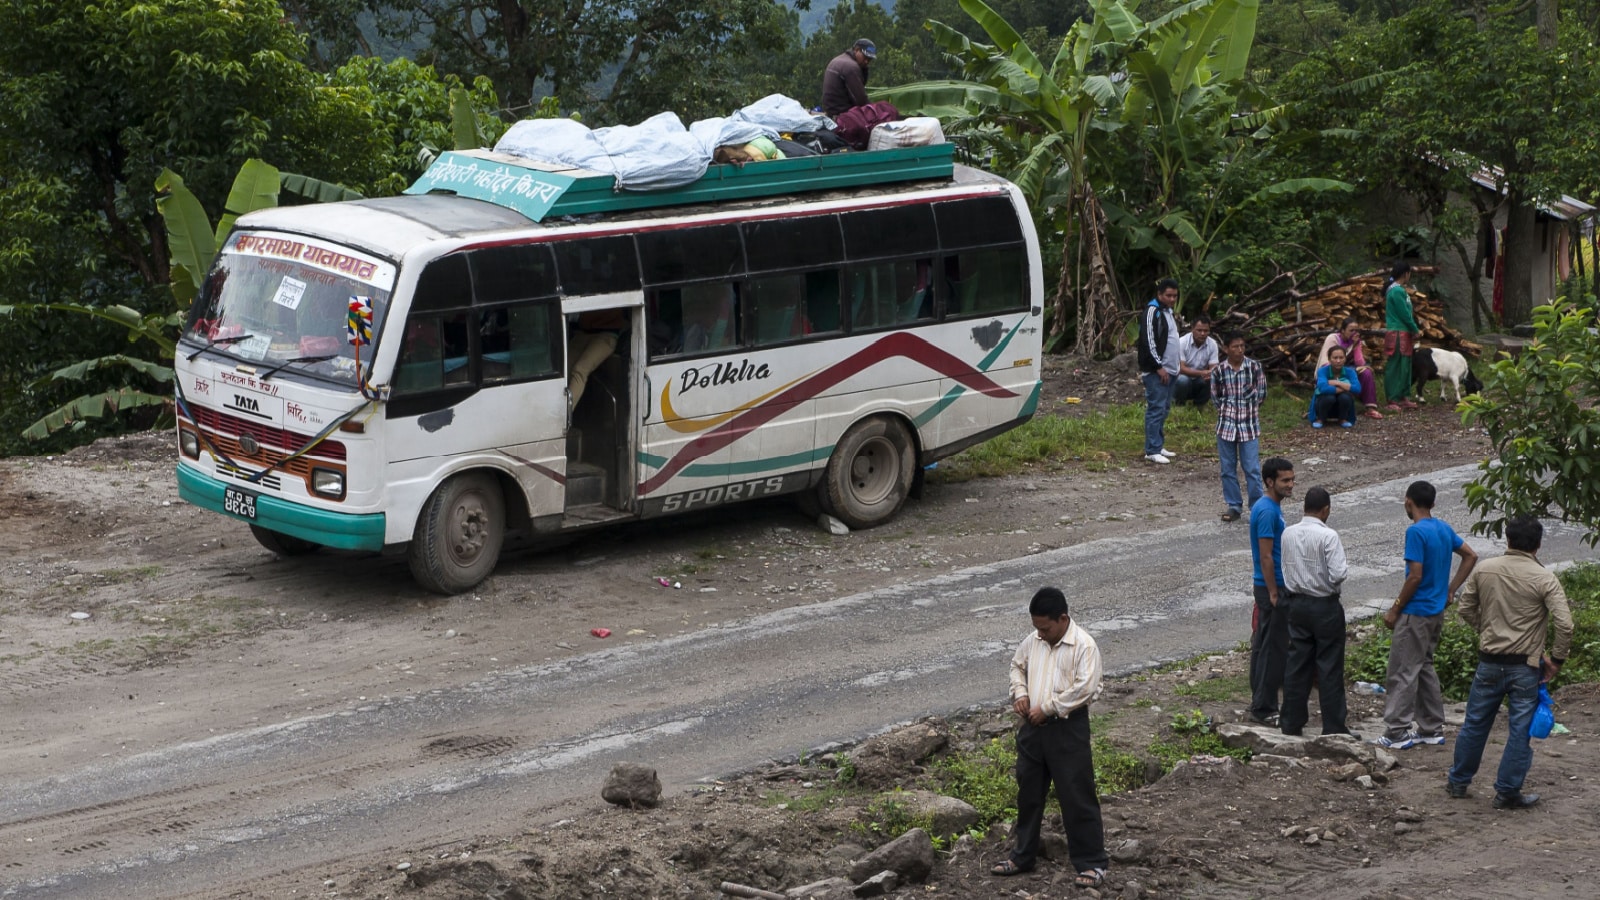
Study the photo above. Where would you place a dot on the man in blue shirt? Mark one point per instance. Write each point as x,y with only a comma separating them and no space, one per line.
1269,636
1417,617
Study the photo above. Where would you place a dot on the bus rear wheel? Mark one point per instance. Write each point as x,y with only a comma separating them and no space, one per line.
458,535
870,472
283,544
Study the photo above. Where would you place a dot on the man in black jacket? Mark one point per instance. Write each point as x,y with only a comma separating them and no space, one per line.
1158,367
844,84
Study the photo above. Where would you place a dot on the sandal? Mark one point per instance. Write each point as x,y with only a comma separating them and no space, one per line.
1007,868
1372,413
1091,878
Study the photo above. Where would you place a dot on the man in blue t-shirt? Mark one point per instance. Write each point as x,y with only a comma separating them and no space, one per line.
1269,636
1417,617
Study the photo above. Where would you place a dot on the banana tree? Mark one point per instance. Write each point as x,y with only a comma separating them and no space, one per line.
193,243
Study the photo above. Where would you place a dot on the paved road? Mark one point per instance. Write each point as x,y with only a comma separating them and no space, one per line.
426,769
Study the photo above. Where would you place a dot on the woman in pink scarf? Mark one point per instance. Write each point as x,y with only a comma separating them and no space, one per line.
1348,338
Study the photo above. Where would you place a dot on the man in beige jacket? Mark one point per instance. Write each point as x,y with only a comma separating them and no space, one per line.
1510,601
1055,675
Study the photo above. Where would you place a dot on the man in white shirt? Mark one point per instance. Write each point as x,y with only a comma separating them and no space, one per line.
1055,674
1314,568
1198,357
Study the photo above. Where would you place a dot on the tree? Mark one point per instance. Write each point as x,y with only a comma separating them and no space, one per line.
97,99
1433,96
1539,411
593,55
1124,125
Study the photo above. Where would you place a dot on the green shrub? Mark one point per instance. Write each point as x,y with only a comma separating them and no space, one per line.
985,779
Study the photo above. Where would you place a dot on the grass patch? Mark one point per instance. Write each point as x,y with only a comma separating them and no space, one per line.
1456,660
1102,439
1215,690
1190,734
813,801
986,779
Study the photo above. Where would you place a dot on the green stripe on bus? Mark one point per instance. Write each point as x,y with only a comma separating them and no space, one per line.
342,531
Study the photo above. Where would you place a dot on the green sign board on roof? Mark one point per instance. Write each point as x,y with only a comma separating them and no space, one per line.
524,186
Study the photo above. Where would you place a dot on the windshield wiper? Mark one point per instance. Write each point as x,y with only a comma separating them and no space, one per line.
298,359
218,342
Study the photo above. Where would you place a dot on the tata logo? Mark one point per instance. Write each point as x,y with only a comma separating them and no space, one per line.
248,404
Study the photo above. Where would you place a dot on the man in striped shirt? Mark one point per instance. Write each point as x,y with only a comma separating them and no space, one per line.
1238,387
1055,674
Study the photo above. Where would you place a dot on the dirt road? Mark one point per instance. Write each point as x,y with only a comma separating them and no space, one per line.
196,638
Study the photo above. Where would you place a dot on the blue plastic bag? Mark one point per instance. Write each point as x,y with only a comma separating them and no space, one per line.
1544,716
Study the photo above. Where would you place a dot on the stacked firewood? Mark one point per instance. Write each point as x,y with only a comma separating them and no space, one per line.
1284,330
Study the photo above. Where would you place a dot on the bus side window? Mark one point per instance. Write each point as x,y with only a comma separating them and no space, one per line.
986,281
890,293
786,307
710,317
419,367
444,284
515,342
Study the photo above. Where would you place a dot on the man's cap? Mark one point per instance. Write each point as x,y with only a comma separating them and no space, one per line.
869,49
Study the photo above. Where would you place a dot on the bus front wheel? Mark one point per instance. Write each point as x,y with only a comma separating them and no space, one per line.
870,472
283,544
458,535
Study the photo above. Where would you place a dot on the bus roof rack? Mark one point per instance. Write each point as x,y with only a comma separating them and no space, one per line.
541,190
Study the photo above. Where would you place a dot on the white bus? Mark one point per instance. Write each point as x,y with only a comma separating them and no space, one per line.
824,327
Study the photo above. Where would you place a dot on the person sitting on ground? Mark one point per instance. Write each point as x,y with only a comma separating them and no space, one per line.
1348,338
1334,398
1198,356
844,84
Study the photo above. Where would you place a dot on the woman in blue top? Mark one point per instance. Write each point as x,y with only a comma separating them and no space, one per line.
1333,399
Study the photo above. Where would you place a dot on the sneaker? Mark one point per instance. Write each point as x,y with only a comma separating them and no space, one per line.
1404,743
1517,800
1456,791
1156,458
1230,515
1317,424
1167,453
1347,424
1435,739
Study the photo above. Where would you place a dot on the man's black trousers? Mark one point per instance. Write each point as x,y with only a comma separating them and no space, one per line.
1316,644
1059,751
1269,649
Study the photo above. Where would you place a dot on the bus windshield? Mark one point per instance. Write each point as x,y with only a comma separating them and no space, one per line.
285,301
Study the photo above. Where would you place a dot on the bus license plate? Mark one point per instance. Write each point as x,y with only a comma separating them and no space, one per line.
239,503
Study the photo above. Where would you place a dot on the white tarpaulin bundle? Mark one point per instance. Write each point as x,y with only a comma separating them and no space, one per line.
658,152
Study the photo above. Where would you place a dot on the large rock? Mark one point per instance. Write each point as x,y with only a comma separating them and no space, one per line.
1262,739
633,786
887,758
910,856
946,816
878,885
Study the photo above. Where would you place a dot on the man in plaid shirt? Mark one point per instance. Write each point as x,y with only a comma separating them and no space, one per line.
1238,387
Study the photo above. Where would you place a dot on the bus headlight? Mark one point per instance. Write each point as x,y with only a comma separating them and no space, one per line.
189,443
328,483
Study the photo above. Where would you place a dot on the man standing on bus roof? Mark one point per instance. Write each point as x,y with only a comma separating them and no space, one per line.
1158,367
844,84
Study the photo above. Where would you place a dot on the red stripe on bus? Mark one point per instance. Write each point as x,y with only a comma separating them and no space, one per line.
895,345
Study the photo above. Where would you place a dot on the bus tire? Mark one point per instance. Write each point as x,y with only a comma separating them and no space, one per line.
870,472
458,535
283,544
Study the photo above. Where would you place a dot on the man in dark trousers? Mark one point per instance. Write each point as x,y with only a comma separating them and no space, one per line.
844,83
1314,568
1055,674
1269,638
1510,601
1158,368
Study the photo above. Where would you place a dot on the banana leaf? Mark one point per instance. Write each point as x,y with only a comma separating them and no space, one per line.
78,370
255,187
75,413
315,190
190,240
464,120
